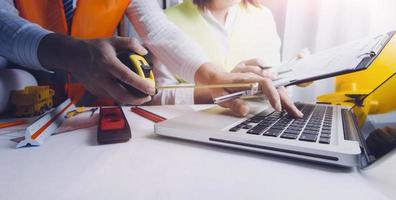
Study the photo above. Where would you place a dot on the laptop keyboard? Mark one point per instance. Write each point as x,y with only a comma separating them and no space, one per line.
315,126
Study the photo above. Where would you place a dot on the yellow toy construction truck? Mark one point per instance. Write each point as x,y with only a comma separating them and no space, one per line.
33,100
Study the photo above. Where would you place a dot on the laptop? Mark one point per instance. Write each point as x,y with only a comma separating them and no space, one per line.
337,135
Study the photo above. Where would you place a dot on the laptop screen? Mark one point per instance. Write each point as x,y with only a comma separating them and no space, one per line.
376,116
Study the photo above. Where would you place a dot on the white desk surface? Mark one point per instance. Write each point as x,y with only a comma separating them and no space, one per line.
73,166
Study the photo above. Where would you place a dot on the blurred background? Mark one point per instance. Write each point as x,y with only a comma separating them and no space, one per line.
320,24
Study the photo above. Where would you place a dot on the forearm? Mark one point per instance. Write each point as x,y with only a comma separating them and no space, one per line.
19,39
58,51
183,96
165,40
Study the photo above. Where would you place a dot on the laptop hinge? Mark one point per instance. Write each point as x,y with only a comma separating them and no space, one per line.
351,132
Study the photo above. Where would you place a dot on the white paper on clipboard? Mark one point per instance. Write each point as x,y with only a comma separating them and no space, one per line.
333,61
343,59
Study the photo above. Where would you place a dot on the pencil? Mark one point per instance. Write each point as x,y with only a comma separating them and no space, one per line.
12,123
147,114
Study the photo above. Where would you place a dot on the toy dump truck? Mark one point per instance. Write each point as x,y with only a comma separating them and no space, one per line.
33,100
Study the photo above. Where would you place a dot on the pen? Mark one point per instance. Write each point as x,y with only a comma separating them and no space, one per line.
262,65
265,67
280,72
300,55
254,90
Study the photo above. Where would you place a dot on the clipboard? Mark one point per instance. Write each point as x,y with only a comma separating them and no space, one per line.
348,58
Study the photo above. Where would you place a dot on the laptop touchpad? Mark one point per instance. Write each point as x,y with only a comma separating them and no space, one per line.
217,116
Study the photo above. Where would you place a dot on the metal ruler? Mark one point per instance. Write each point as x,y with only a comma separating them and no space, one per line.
36,133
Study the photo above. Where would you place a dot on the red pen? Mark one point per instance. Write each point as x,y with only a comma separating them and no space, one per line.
148,115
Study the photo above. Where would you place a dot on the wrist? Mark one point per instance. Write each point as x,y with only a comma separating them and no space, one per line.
208,73
202,96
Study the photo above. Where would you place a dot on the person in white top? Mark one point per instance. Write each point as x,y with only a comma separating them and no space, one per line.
236,35
94,62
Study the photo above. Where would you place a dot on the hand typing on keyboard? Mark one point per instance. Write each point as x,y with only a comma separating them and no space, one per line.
278,97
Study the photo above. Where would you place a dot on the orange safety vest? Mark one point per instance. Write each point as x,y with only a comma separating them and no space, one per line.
92,19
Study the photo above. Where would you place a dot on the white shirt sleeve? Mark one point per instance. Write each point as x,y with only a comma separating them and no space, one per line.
19,39
169,44
182,96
